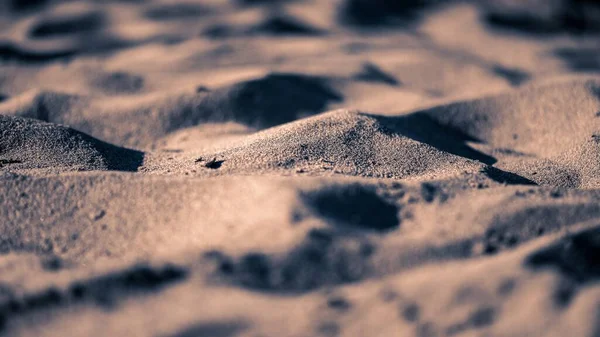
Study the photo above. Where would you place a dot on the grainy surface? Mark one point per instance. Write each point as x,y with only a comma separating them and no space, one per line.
299,168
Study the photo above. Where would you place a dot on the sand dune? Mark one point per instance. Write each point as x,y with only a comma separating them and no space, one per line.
245,102
342,142
29,144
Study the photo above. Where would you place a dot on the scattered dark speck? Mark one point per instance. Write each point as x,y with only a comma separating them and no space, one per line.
119,83
202,88
490,249
47,298
329,329
411,312
99,215
52,263
355,47
565,291
218,31
372,73
214,164
506,287
320,236
388,295
339,304
367,249
4,162
77,290
296,217
426,330
515,77
255,269
224,263
428,192
512,241
483,317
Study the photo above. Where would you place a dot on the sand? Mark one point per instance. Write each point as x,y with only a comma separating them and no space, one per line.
299,168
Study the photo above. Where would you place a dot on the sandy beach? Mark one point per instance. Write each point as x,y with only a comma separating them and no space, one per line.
261,168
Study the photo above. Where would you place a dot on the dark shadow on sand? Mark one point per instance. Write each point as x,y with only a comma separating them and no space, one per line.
284,25
580,59
213,329
9,52
425,129
105,291
505,177
272,100
381,13
120,158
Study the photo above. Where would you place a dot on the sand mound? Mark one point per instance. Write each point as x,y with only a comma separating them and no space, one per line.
258,103
30,144
46,106
537,132
347,143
